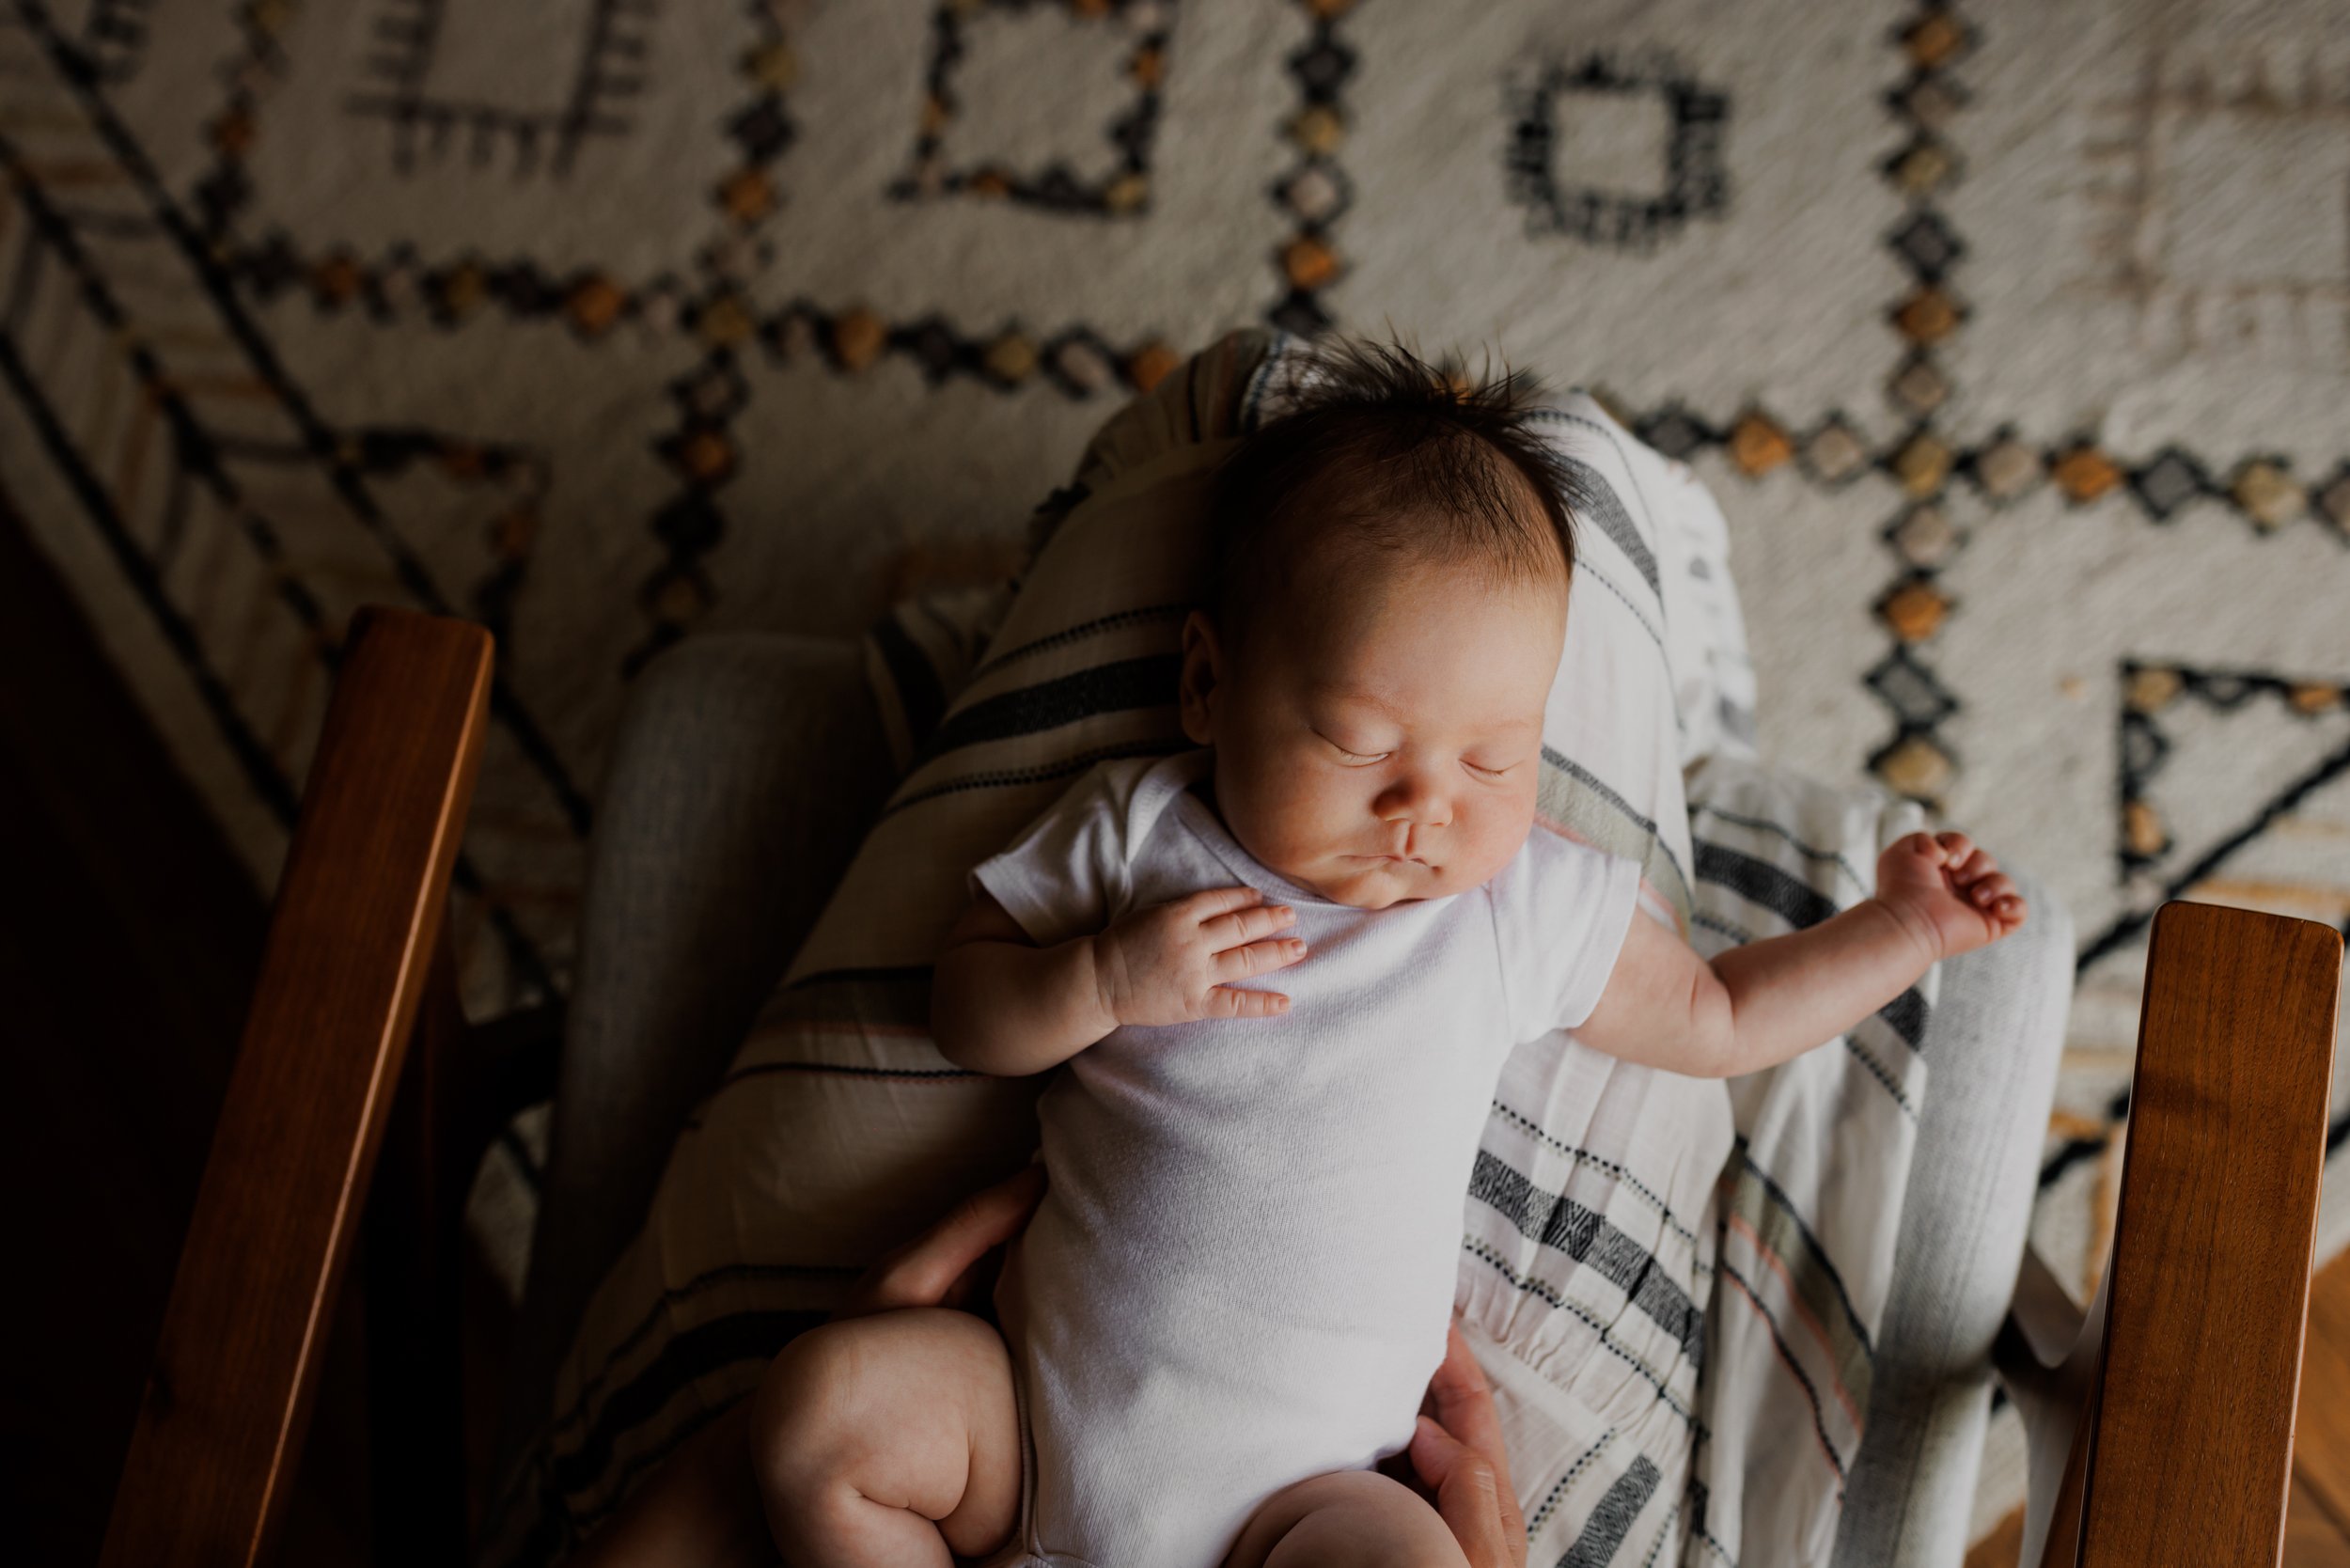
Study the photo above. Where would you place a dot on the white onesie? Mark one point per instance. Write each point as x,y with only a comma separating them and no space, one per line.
1243,1268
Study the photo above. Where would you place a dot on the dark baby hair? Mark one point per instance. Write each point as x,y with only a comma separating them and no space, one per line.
1396,456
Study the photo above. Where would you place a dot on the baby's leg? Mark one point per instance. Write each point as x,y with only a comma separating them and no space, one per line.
891,1439
1347,1519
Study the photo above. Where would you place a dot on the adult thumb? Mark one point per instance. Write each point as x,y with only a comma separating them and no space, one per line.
1468,1496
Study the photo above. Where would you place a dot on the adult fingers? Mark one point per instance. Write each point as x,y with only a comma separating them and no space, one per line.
1258,958
1463,1401
1468,1498
925,1270
1233,1001
1245,925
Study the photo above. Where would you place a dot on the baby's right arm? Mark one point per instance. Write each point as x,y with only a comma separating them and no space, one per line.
1001,1004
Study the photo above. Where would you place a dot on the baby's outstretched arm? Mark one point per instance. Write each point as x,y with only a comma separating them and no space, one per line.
1001,1004
1756,1005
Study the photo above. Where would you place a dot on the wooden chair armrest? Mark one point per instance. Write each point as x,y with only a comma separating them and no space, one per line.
2190,1443
2174,1391
357,917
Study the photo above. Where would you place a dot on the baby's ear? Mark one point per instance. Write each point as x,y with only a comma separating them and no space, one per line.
1203,673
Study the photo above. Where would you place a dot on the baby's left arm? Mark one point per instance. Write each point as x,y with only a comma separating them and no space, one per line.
1755,1005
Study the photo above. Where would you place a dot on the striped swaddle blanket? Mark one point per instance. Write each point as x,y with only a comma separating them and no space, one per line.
1674,1283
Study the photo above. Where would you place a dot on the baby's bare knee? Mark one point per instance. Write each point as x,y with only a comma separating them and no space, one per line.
808,1403
908,1414
1349,1519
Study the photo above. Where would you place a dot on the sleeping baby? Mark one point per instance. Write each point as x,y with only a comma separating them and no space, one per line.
1276,976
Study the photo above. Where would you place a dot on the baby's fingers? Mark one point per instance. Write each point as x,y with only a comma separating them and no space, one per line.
1257,958
1975,867
1986,891
1245,925
1230,1001
1204,906
1922,845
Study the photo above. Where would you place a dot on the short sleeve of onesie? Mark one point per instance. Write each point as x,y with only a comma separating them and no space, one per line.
1067,873
1561,911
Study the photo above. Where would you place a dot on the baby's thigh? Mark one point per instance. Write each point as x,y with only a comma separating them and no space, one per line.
1349,1519
910,1409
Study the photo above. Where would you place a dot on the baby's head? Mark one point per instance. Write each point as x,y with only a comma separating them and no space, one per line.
1388,607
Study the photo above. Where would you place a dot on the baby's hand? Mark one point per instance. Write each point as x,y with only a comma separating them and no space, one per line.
1167,964
1948,892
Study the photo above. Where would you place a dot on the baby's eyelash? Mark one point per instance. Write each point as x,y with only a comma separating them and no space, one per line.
1357,759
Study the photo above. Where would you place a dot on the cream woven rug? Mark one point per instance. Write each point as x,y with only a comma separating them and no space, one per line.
2013,338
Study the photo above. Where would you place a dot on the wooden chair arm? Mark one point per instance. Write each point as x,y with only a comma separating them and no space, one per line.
2172,1440
357,918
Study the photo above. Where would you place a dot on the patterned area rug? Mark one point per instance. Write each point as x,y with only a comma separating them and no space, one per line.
2015,340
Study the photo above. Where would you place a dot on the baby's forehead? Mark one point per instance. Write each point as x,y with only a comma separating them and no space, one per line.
1462,656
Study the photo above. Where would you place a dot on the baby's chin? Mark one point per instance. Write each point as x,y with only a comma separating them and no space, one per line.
1372,883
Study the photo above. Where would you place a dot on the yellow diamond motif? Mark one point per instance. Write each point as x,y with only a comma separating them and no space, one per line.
1917,767
2310,697
2085,473
1922,169
772,66
725,322
1923,463
1126,193
857,338
1914,610
2269,493
1318,130
1757,446
1011,358
2150,691
1927,317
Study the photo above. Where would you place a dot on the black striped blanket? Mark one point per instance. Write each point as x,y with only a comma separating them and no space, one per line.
1674,1284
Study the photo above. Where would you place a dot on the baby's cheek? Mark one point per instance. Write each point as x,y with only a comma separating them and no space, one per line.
1309,814
1496,834
1286,822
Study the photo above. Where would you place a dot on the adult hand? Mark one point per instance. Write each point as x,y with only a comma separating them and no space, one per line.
953,1263
1458,1457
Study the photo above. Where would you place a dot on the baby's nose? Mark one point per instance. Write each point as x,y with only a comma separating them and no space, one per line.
1416,804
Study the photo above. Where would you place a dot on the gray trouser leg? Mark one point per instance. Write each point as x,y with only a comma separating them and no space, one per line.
1993,1045
745,771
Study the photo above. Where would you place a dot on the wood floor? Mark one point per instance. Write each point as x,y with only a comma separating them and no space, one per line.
2317,1521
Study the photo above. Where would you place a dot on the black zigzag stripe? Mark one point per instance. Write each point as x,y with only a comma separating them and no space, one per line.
1006,778
1145,682
1565,1226
1603,507
1611,1520
1759,882
1801,906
